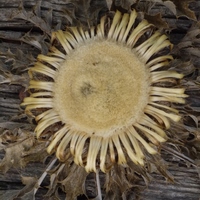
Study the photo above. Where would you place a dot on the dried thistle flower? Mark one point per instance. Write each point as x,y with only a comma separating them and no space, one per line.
102,85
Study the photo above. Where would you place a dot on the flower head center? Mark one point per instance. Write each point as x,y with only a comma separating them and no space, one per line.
101,87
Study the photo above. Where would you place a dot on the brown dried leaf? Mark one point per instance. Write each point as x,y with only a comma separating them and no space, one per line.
14,79
121,4
15,125
74,181
182,7
32,17
87,12
14,153
189,47
182,67
157,21
120,180
28,191
8,194
171,6
21,149
178,7
70,177
18,61
38,41
109,3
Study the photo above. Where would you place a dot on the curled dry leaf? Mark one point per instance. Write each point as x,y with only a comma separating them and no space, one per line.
32,17
178,7
28,191
87,12
121,5
70,177
190,44
182,7
21,149
157,21
38,41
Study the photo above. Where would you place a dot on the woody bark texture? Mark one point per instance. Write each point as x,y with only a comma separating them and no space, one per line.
25,31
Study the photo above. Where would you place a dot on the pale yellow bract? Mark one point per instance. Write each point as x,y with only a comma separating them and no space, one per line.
103,91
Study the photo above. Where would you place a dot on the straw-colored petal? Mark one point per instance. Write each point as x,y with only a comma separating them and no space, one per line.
115,21
66,45
41,68
152,133
165,107
45,124
132,18
56,139
46,114
174,117
159,65
142,48
73,142
129,150
41,94
146,121
79,148
167,98
60,152
135,145
94,147
40,85
134,133
159,44
120,29
55,52
159,59
77,35
37,103
112,151
156,76
121,156
162,120
50,59
70,38
138,32
104,150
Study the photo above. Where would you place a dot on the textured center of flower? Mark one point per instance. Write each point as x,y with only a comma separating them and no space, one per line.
101,87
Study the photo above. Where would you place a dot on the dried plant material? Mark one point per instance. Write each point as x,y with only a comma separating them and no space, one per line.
170,5
32,17
20,150
109,3
119,181
87,12
182,7
157,21
178,7
13,79
107,105
190,43
73,188
121,4
37,41
28,191
70,177
17,62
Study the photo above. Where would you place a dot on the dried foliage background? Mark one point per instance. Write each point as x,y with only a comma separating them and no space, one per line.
26,171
